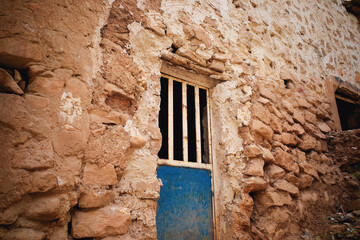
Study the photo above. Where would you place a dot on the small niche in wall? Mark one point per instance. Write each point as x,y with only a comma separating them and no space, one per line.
288,84
349,112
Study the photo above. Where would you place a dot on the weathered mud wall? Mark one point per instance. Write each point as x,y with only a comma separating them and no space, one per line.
80,102
344,148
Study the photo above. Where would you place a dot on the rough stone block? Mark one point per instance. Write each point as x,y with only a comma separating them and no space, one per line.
10,215
288,106
285,75
112,117
253,151
48,208
323,127
241,213
93,198
293,179
322,168
217,66
35,70
310,117
267,156
301,156
287,117
34,156
45,86
307,143
270,197
8,84
261,112
24,234
274,171
189,54
309,169
305,181
247,138
255,167
262,129
137,141
298,116
146,189
275,111
266,92
276,124
303,103
107,221
254,184
59,233
17,53
44,181
296,128
69,142
96,175
286,161
286,186
288,139
152,24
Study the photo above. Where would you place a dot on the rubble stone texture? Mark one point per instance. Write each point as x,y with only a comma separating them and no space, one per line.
79,104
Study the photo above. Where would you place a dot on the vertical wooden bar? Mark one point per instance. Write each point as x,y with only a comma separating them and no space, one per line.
208,124
184,122
197,125
171,120
208,110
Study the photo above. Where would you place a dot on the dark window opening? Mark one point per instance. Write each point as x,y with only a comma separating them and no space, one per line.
349,114
177,109
191,123
163,119
204,126
183,106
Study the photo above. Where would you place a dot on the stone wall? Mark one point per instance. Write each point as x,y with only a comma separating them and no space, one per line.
80,100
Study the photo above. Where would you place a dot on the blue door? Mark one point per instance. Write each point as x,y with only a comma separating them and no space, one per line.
185,204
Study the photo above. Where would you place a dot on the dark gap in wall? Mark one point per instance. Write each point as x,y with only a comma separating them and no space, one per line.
178,137
287,83
191,123
272,65
174,49
163,118
69,227
204,126
21,77
109,124
349,114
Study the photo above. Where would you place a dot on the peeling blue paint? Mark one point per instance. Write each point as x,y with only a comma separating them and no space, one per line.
185,204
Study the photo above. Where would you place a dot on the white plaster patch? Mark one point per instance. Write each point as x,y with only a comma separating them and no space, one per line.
244,114
141,4
60,181
224,8
111,1
70,108
131,129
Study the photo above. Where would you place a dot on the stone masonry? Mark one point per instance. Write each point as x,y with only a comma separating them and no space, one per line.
79,104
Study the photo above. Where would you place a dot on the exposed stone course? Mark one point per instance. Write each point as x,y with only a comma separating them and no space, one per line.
108,221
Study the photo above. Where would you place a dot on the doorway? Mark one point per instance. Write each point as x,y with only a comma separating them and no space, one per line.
185,207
